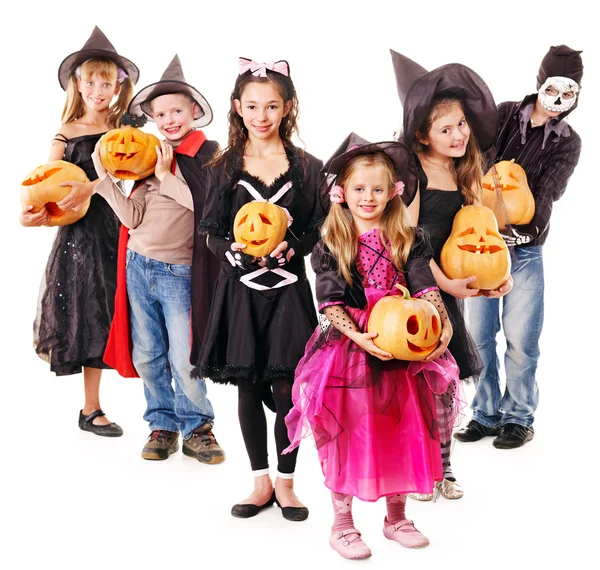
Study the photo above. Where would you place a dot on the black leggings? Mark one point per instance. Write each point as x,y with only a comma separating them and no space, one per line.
254,423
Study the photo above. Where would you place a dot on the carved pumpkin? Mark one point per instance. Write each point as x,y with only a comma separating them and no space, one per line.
475,247
42,188
261,226
516,195
408,328
128,153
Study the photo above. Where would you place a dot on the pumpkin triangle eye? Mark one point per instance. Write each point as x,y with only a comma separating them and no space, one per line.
265,220
243,220
467,232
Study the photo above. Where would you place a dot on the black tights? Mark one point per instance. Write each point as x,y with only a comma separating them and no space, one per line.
254,423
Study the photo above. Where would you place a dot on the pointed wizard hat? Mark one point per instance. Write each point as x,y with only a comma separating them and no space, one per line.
417,87
97,45
355,145
172,81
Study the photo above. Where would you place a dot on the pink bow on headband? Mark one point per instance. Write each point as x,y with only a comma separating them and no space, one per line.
260,69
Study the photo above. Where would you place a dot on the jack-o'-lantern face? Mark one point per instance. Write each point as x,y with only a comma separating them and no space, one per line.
261,226
42,187
518,204
407,328
475,247
128,153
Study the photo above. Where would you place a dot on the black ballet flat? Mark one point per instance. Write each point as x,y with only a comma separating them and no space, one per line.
296,514
248,510
109,430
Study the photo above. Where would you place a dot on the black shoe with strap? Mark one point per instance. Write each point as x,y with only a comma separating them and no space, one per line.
475,431
512,436
108,430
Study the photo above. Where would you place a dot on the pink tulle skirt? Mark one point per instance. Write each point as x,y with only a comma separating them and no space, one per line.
375,423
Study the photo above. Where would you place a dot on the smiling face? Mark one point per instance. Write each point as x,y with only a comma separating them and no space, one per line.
262,109
98,89
448,134
367,192
174,115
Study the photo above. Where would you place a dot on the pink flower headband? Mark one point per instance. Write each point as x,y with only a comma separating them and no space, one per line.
336,194
121,75
260,69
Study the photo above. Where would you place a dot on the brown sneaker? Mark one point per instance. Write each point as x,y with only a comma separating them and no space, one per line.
203,446
161,444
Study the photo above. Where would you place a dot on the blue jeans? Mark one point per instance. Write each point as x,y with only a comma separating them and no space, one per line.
522,319
159,299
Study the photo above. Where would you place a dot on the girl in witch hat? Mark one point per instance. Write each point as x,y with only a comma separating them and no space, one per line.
373,417
449,118
262,311
157,287
75,307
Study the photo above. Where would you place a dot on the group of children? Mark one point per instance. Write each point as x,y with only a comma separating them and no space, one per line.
143,277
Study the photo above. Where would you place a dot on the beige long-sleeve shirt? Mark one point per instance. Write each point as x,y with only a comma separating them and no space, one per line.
159,215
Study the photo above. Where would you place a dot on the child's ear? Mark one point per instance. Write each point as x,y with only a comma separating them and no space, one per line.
287,107
238,106
423,140
195,110
117,88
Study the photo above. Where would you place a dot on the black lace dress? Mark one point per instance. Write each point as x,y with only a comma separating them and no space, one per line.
75,306
260,320
436,214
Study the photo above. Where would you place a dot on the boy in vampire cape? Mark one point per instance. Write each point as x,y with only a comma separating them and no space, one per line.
150,335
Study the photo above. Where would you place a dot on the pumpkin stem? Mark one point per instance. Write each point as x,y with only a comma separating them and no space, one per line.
405,291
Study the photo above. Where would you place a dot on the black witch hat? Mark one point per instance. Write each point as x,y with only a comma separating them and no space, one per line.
97,45
355,145
172,81
417,87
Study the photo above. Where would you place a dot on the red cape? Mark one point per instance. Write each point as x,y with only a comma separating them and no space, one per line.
118,347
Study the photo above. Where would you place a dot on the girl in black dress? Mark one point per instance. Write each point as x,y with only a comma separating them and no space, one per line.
262,311
449,118
75,306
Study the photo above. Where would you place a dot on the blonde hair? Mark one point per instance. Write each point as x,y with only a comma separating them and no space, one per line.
467,169
75,107
339,233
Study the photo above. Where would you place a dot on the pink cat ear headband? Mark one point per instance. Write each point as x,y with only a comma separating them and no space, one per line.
260,69
336,194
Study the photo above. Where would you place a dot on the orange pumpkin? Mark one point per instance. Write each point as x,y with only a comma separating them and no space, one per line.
407,328
42,188
261,226
475,247
516,195
128,153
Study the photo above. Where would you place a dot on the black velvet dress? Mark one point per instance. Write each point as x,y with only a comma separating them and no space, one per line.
258,334
436,214
75,306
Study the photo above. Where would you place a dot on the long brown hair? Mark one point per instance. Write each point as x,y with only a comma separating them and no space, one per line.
339,233
75,107
238,133
467,169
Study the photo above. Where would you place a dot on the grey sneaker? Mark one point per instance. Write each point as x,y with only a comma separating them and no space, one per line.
203,446
160,444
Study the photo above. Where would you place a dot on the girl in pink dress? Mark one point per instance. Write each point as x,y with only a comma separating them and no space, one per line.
373,417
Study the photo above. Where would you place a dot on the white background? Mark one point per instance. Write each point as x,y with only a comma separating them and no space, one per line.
72,500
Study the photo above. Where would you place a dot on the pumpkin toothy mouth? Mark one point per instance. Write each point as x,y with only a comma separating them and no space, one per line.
480,248
420,349
40,177
256,241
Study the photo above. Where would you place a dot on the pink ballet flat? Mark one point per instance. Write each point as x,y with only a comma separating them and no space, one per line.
348,544
405,533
